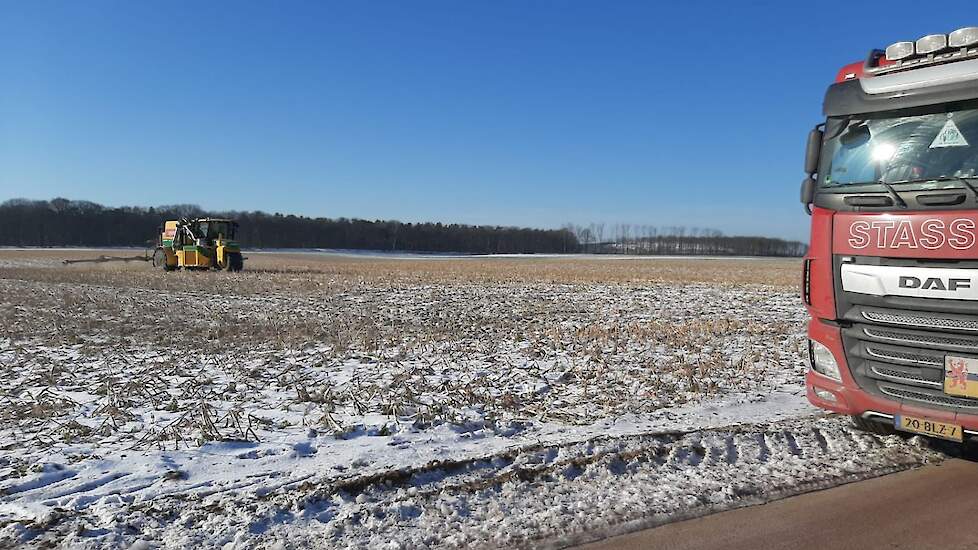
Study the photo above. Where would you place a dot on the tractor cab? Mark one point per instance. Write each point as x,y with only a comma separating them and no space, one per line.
213,229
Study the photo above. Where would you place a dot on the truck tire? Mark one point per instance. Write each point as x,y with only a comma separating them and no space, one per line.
873,426
235,261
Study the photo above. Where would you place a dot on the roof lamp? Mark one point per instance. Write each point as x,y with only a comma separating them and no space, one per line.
931,43
899,50
962,38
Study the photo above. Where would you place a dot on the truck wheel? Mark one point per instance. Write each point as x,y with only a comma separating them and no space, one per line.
872,426
235,261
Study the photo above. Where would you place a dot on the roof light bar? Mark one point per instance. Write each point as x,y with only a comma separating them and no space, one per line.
899,50
927,51
963,38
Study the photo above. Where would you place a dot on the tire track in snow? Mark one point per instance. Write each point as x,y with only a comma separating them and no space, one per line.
539,496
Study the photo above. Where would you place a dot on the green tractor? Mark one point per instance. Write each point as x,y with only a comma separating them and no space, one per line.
198,243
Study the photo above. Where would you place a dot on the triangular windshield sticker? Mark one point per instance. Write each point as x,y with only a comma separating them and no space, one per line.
949,136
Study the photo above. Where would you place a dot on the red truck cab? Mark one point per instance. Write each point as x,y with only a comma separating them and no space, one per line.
891,276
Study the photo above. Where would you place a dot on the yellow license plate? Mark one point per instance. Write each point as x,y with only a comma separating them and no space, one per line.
932,428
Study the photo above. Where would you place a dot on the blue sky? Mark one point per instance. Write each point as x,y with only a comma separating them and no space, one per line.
524,113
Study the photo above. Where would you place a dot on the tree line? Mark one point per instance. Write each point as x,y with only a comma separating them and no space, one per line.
600,238
63,222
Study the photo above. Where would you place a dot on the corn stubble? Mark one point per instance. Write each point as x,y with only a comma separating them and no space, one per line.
119,357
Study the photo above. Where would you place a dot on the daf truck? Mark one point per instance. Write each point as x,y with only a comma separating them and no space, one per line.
891,276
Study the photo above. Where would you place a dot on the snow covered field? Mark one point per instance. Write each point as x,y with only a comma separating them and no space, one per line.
358,403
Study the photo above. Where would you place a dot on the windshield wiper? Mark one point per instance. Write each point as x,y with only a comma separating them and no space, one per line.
960,179
967,183
896,196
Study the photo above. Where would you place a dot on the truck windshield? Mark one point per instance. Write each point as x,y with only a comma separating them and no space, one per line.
900,149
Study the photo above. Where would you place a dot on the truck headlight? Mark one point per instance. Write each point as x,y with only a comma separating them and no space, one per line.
823,362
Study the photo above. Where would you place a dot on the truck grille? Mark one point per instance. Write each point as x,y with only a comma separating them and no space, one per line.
904,356
911,378
911,319
929,398
919,339
899,354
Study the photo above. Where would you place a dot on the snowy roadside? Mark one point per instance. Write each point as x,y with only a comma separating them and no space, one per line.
539,485
562,489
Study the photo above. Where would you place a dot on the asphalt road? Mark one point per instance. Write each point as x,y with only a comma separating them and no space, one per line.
931,507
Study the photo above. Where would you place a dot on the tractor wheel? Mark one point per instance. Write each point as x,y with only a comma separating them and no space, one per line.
159,260
235,261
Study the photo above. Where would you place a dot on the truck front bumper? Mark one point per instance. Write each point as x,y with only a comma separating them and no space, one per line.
846,397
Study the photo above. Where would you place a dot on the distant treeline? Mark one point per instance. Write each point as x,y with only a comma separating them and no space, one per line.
62,222
706,246
619,238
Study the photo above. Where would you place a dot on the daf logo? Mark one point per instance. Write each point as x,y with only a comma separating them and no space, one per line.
934,283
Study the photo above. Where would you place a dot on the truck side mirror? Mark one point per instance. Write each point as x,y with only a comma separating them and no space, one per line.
808,193
812,150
